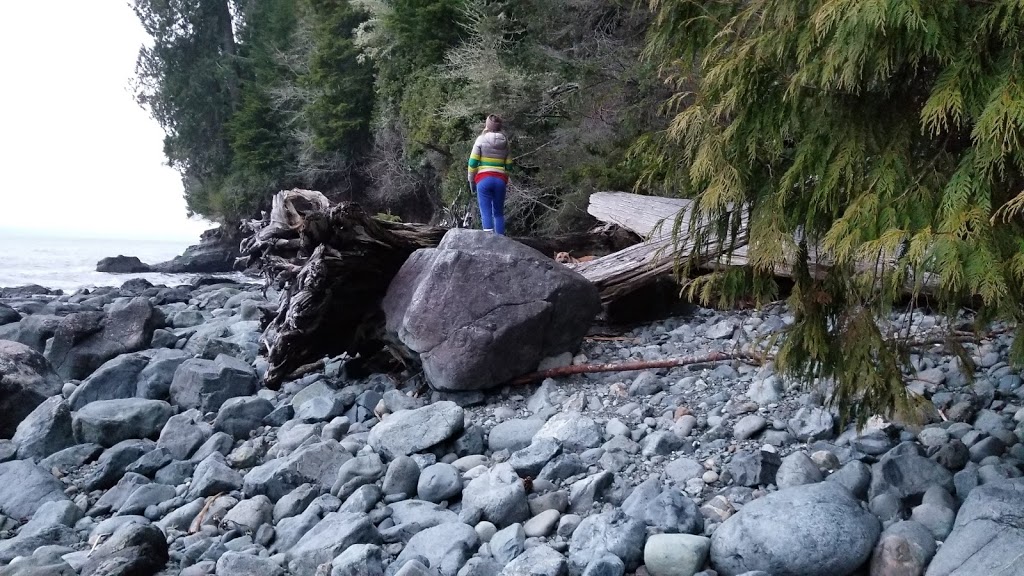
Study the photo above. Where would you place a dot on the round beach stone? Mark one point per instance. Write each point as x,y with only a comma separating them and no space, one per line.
795,531
675,554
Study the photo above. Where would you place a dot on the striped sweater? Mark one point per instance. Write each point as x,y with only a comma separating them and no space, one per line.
490,157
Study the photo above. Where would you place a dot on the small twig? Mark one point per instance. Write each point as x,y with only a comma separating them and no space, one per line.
637,365
197,522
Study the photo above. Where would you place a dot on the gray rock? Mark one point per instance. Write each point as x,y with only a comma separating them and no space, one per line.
316,464
290,530
988,536
117,496
480,566
145,496
358,559
507,543
107,422
908,474
294,502
446,547
402,477
410,431
585,493
362,469
721,330
183,434
794,531
363,499
207,384
765,391
855,476
660,443
154,382
499,494
573,430
45,431
540,560
757,469
609,532
811,422
682,469
35,329
904,549
213,476
439,482
8,315
516,308
543,524
749,426
250,514
797,469
562,467
115,379
114,461
219,443
85,340
675,554
26,380
937,519
415,515
322,408
874,442
953,455
241,415
329,538
513,435
187,319
667,510
238,564
605,565
531,460
133,548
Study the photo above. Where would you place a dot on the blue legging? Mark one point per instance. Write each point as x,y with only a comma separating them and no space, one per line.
490,195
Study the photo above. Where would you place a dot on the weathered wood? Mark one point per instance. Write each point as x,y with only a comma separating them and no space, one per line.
711,358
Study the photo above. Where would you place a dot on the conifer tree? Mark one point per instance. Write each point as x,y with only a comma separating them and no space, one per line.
883,138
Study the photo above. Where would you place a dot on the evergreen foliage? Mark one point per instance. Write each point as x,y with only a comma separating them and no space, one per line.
881,138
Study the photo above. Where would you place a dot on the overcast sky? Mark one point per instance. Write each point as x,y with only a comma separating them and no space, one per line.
78,156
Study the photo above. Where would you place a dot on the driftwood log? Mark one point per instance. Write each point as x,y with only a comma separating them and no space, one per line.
333,265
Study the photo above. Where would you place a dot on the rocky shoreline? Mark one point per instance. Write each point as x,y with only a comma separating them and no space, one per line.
148,446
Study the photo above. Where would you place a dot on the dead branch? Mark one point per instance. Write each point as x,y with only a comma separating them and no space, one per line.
638,365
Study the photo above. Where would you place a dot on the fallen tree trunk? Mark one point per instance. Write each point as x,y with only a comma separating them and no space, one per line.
333,303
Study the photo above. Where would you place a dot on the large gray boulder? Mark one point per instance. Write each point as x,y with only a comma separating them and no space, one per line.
154,382
85,340
122,265
481,309
45,431
108,422
988,535
796,531
329,538
25,487
447,547
410,431
34,330
26,380
207,384
116,378
611,532
316,464
8,315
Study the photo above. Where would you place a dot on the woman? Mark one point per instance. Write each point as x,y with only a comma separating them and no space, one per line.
488,176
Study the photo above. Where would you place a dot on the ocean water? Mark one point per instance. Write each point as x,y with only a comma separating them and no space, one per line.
70,263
